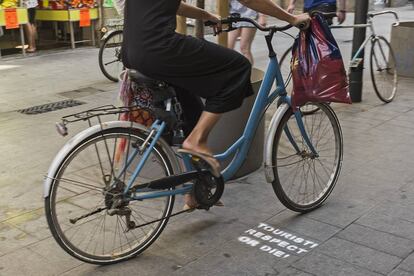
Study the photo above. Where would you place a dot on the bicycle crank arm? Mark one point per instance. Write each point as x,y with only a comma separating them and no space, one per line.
171,181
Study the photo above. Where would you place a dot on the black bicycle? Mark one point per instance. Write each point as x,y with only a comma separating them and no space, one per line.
110,55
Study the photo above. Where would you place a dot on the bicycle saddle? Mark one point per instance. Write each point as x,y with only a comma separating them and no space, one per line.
137,76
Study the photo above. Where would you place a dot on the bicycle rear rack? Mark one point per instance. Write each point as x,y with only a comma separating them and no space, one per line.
97,113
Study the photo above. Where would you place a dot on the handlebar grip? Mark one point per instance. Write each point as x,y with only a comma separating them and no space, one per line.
302,26
209,23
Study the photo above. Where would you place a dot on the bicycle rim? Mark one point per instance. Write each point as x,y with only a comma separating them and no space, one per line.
110,60
78,190
302,182
383,70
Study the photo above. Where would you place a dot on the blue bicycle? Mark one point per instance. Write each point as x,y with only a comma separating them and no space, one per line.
110,190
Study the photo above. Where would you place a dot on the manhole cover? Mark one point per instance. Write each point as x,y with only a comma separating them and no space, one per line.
49,107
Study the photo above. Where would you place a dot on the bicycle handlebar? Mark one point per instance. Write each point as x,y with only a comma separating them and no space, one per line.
234,18
372,14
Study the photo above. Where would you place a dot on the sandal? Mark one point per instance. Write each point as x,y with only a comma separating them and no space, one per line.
206,158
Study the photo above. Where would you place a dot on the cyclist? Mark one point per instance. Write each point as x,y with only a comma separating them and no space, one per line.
327,6
196,67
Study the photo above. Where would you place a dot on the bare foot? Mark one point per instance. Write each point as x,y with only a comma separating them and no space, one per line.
190,202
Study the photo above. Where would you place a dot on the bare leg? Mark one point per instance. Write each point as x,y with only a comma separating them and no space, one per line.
197,141
233,35
247,36
31,33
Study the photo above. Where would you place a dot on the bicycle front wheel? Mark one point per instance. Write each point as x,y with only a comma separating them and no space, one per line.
302,181
80,207
383,69
110,59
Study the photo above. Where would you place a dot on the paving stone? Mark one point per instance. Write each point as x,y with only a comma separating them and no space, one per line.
359,255
323,265
385,223
32,222
408,264
290,271
199,233
12,238
235,258
153,261
399,272
341,211
377,240
25,262
301,224
54,254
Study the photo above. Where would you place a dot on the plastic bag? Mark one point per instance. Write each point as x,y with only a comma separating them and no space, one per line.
317,68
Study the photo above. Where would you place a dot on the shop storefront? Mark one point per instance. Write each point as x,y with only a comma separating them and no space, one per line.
60,23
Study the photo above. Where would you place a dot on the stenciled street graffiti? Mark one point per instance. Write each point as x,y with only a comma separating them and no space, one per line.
275,241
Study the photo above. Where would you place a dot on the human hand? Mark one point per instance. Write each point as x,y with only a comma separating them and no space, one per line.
301,21
262,20
290,8
207,16
341,16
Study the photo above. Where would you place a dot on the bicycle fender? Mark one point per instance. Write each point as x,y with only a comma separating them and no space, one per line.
72,143
108,33
268,147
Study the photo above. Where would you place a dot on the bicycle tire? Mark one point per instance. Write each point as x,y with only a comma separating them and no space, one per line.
374,77
50,203
108,75
280,162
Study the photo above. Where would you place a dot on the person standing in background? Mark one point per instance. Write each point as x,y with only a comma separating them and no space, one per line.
323,6
245,30
30,27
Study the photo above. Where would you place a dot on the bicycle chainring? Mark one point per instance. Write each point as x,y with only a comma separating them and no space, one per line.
208,190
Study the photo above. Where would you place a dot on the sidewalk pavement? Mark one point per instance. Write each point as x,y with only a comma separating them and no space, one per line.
365,228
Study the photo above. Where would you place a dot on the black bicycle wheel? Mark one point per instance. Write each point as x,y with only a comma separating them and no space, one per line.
82,186
286,71
110,60
303,181
383,69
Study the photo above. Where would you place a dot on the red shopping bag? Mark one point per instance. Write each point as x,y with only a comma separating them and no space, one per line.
317,68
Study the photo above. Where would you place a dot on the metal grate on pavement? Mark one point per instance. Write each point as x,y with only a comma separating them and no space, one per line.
44,108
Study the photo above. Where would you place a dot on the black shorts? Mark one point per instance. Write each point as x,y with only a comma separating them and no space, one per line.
31,12
328,8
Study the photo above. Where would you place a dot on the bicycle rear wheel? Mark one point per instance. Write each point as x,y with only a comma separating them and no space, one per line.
383,69
83,185
302,182
110,59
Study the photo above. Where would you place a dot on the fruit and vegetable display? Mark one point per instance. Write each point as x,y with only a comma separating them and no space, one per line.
67,4
9,4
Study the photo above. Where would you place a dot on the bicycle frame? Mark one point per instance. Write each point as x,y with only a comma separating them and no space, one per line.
241,147
372,36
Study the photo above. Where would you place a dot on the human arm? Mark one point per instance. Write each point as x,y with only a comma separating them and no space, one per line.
271,9
291,6
341,13
189,11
